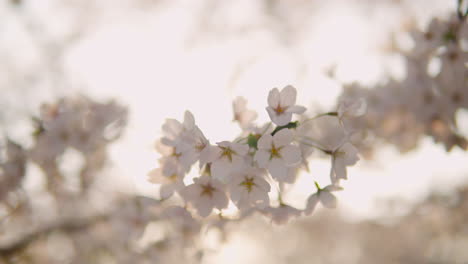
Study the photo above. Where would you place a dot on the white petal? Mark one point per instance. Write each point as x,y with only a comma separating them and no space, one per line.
277,168
189,120
328,199
296,109
220,199
311,204
209,154
282,119
274,98
288,96
262,157
262,184
340,168
155,176
172,128
332,188
240,149
204,208
283,138
291,155
221,170
166,191
265,142
351,154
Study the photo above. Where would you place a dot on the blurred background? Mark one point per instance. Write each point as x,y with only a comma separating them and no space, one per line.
158,58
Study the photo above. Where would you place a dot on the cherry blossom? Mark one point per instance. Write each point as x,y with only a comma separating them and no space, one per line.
345,155
242,115
225,158
205,194
324,196
281,105
248,188
277,154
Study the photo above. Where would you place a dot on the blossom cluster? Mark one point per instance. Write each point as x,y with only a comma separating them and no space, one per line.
427,99
77,123
245,170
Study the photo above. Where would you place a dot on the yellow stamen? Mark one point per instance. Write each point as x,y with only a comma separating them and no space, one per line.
207,189
248,183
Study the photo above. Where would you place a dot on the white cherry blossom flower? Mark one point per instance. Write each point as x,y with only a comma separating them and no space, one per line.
248,188
171,178
281,105
351,108
225,158
324,196
277,154
205,194
345,155
173,129
244,116
282,214
170,155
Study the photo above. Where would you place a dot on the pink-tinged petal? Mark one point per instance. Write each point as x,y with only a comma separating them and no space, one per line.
262,157
262,184
333,188
204,209
277,168
288,96
328,199
190,193
240,149
155,176
209,154
265,142
274,98
235,192
311,204
162,148
296,109
282,138
290,176
282,119
259,198
238,162
172,128
166,191
350,154
189,120
220,199
340,168
221,170
291,155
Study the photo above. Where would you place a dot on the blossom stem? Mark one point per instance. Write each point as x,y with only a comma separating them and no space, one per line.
320,115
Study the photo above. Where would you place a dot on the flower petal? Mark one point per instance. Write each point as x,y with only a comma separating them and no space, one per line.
277,168
328,199
291,155
311,204
288,96
282,138
296,109
265,142
262,157
274,98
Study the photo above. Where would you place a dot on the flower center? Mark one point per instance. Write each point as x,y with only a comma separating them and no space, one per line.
279,109
274,152
227,152
173,177
207,189
175,154
248,183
